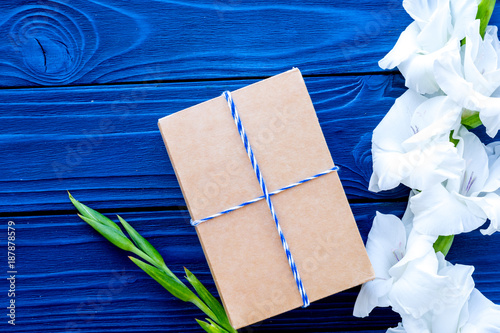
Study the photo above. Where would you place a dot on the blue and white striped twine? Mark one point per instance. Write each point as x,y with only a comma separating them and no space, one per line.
267,195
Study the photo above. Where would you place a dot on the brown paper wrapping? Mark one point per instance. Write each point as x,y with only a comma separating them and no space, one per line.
243,248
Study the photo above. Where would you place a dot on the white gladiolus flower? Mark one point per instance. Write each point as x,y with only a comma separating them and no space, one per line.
491,202
478,315
472,78
411,278
411,144
484,315
437,23
464,205
386,245
453,76
450,308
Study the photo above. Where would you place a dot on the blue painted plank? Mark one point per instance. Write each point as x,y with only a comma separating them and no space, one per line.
79,42
103,144
69,275
70,278
60,42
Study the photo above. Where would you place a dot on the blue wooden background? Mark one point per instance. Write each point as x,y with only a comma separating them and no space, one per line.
82,84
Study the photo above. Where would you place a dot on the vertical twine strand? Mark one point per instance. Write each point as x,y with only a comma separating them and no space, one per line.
246,143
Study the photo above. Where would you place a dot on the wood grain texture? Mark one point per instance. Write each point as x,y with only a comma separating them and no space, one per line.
72,280
103,143
79,42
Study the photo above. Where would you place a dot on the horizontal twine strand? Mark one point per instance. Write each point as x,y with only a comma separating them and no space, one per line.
246,203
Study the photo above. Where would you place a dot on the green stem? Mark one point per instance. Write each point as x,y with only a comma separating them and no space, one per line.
484,11
160,266
146,257
203,307
443,244
470,119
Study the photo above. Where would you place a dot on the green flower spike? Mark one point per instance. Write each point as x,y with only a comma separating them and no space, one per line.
154,266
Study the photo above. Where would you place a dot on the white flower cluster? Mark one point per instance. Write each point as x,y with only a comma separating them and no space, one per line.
453,76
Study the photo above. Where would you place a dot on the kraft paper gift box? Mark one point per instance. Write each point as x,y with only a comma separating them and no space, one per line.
243,247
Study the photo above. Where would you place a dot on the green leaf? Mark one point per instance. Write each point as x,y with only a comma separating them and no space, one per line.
92,214
484,11
178,289
443,244
141,242
114,236
209,300
471,119
452,139
113,233
173,286
221,328
211,327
